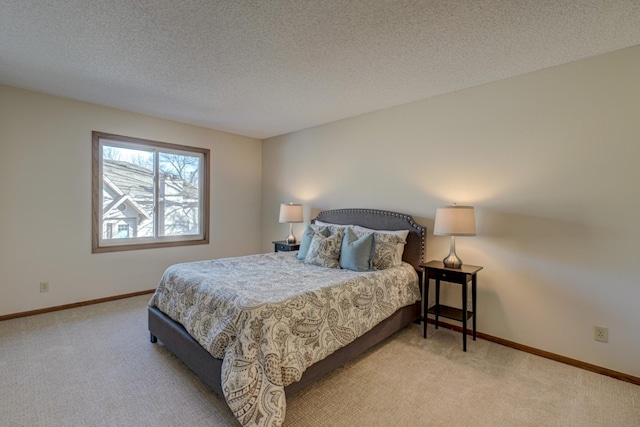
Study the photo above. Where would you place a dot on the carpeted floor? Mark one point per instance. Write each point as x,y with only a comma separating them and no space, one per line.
95,366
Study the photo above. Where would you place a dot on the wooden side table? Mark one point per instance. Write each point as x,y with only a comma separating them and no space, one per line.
283,246
461,276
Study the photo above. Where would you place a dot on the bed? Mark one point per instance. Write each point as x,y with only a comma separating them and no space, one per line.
254,367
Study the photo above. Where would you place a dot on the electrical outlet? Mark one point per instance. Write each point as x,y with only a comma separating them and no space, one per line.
600,334
469,306
44,286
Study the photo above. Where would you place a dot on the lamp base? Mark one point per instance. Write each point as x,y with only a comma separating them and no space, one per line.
291,239
452,260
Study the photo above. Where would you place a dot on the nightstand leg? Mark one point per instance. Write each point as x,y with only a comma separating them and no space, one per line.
437,310
464,316
473,304
425,302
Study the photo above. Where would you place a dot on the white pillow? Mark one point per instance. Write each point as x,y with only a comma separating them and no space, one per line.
328,224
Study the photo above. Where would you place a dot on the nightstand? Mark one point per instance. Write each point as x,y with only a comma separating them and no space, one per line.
283,246
461,276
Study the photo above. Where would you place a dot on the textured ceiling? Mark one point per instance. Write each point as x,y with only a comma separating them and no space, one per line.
267,67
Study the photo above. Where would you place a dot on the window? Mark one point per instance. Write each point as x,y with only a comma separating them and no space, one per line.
148,194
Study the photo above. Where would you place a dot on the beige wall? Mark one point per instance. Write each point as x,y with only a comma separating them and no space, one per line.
549,160
45,201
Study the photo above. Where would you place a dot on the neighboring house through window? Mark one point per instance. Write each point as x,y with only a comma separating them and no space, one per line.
148,194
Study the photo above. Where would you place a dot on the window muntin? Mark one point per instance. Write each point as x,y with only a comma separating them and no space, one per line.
148,194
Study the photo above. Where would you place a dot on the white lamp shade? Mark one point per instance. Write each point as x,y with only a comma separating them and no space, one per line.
455,221
290,212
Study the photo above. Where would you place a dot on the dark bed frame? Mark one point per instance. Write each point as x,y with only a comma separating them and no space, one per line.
209,369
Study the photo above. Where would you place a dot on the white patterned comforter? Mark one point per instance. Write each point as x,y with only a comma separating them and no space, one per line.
270,316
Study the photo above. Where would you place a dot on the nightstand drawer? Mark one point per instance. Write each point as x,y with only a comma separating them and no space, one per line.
448,276
282,246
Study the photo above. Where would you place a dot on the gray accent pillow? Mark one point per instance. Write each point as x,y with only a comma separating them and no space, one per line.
305,241
386,247
386,255
399,247
357,252
325,251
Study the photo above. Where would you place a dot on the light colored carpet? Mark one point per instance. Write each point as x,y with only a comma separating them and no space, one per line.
95,366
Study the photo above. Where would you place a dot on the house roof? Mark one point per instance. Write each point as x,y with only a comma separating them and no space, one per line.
136,182
263,68
125,200
127,178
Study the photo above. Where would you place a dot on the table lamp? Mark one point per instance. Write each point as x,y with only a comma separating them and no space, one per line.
290,212
454,221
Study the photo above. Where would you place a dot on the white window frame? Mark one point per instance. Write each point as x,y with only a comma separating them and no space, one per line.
100,244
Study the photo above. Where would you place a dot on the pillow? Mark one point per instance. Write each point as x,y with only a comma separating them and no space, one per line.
327,224
357,252
305,241
399,246
325,251
402,233
333,228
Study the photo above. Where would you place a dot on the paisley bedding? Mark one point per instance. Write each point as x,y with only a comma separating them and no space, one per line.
270,316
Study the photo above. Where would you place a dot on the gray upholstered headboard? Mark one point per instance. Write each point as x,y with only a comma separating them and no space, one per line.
414,252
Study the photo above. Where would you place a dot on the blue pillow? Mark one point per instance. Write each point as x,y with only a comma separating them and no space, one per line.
305,241
357,253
